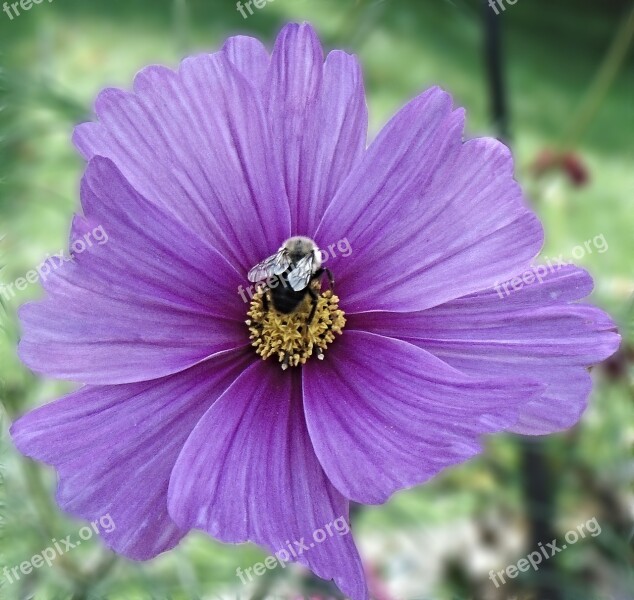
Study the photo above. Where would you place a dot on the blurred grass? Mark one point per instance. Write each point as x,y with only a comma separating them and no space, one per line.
55,59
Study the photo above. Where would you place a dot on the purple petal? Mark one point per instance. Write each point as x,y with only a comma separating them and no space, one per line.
319,120
428,218
384,415
248,472
115,447
249,56
533,332
197,143
152,301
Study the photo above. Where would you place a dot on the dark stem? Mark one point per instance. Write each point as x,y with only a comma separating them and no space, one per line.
495,71
540,494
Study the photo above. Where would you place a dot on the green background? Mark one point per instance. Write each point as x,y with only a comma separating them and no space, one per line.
570,82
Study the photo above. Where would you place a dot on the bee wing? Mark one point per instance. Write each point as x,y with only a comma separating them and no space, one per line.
299,277
273,265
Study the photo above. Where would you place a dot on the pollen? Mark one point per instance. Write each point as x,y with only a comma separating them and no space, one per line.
290,337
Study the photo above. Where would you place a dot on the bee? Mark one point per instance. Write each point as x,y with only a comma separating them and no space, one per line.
289,274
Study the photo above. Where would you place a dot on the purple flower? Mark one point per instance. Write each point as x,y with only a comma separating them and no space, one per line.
200,174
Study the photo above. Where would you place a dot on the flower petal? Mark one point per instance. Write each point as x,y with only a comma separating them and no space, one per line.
197,143
384,415
248,472
319,119
531,332
428,218
114,448
249,56
152,301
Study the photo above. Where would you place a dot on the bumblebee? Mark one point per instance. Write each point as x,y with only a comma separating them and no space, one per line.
289,274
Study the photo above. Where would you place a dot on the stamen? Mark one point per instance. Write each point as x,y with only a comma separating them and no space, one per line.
290,337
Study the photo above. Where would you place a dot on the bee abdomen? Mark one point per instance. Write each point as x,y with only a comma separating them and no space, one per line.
286,300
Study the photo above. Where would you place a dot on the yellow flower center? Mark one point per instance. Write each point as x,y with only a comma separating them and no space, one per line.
290,337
